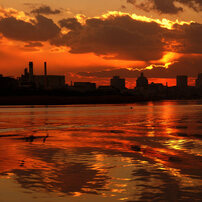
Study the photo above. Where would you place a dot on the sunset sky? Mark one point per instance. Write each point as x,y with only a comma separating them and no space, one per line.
93,40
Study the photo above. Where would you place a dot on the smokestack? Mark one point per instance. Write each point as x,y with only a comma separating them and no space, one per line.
31,69
45,74
25,72
45,69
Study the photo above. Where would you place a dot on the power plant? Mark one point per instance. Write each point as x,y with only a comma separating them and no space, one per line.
45,82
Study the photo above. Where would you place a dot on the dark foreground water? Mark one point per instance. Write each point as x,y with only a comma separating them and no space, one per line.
138,152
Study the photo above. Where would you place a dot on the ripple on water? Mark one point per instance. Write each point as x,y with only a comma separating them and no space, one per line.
87,154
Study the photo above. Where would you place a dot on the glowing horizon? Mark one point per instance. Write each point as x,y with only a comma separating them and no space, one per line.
175,51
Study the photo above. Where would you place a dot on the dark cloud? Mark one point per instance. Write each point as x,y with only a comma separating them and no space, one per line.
194,4
188,38
188,64
70,23
46,10
42,29
110,73
119,37
115,37
167,6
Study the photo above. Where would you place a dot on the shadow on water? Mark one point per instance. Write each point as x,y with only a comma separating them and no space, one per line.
69,179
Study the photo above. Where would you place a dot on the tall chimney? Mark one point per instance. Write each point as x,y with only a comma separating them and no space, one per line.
31,74
31,68
45,78
45,69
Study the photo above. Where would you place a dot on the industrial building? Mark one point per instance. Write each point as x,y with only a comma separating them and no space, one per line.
117,83
44,82
182,81
7,83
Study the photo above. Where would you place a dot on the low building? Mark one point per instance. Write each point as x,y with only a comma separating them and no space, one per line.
158,86
84,86
117,83
49,82
106,89
8,83
182,81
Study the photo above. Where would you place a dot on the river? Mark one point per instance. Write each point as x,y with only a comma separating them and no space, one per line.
148,151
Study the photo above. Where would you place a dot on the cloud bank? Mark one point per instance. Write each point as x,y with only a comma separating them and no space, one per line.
124,38
118,37
167,6
113,37
41,29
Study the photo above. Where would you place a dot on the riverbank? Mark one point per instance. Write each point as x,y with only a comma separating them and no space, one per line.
71,100
66,100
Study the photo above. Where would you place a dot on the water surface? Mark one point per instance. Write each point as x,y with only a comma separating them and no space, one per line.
138,152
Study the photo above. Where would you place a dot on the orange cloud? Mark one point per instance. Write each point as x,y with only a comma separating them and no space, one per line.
19,15
165,23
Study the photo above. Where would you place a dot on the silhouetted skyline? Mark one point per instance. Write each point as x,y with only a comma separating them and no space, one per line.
46,81
29,84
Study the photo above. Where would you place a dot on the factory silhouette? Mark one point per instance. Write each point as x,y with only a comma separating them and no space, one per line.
29,80
29,84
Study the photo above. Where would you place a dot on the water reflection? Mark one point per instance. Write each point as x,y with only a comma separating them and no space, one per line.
151,151
71,179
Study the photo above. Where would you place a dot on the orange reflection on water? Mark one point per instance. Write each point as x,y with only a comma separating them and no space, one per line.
86,150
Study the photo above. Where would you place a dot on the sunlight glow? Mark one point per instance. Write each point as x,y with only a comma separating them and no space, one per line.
19,15
166,65
170,56
165,23
168,59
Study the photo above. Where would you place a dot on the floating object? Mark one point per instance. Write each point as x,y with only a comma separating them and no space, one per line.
22,163
44,139
30,138
116,131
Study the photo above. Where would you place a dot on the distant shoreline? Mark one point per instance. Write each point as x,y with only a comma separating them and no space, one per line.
66,100
71,100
